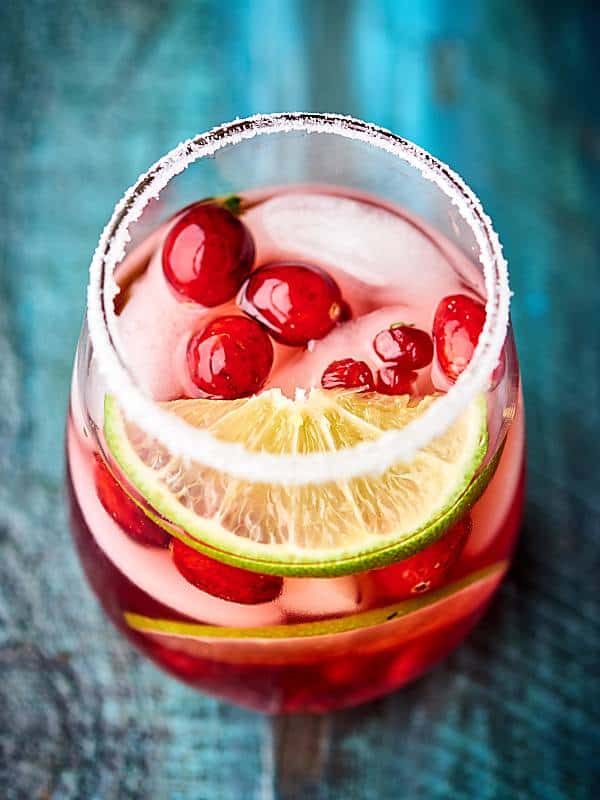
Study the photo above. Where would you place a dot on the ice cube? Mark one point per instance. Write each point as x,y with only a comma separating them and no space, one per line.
390,257
321,597
152,326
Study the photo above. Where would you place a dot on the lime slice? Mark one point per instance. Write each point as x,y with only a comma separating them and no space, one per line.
377,629
321,529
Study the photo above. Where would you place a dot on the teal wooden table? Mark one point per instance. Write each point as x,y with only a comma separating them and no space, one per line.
506,92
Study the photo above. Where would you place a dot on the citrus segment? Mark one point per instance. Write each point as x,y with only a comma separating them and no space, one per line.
318,529
378,628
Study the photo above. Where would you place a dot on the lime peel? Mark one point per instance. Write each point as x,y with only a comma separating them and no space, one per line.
365,619
212,538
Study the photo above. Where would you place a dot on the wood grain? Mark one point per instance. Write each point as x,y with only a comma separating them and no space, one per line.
506,92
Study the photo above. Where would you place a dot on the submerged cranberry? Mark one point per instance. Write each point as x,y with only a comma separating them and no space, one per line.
428,569
207,254
457,325
221,580
230,358
127,514
408,347
395,380
348,374
295,302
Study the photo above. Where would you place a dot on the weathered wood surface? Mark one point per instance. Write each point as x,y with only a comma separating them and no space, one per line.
507,92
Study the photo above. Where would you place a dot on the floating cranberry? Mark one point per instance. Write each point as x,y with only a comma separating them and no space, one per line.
457,325
127,514
230,358
207,254
428,569
348,374
294,302
221,580
395,380
405,346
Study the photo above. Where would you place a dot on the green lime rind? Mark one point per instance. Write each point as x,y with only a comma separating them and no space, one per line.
209,538
364,619
349,566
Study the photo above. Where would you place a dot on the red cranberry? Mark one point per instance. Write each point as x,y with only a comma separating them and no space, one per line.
221,580
457,325
127,514
348,374
405,346
428,569
294,302
207,254
395,380
230,358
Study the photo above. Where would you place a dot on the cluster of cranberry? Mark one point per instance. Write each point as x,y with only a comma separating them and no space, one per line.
208,257
405,349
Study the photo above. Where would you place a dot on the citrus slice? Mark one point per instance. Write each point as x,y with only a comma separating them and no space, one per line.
378,628
316,529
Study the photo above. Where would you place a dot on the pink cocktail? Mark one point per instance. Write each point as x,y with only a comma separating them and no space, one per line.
296,441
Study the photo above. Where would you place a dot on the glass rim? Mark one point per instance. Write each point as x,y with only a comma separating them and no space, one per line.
371,457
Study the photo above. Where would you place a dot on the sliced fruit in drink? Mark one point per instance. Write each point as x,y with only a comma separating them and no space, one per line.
365,632
315,529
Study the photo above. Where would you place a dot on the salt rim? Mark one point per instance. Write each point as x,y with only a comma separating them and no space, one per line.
366,458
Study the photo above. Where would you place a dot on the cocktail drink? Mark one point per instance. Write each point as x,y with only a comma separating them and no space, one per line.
295,441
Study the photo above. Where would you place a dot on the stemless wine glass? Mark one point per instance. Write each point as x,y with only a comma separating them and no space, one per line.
222,544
